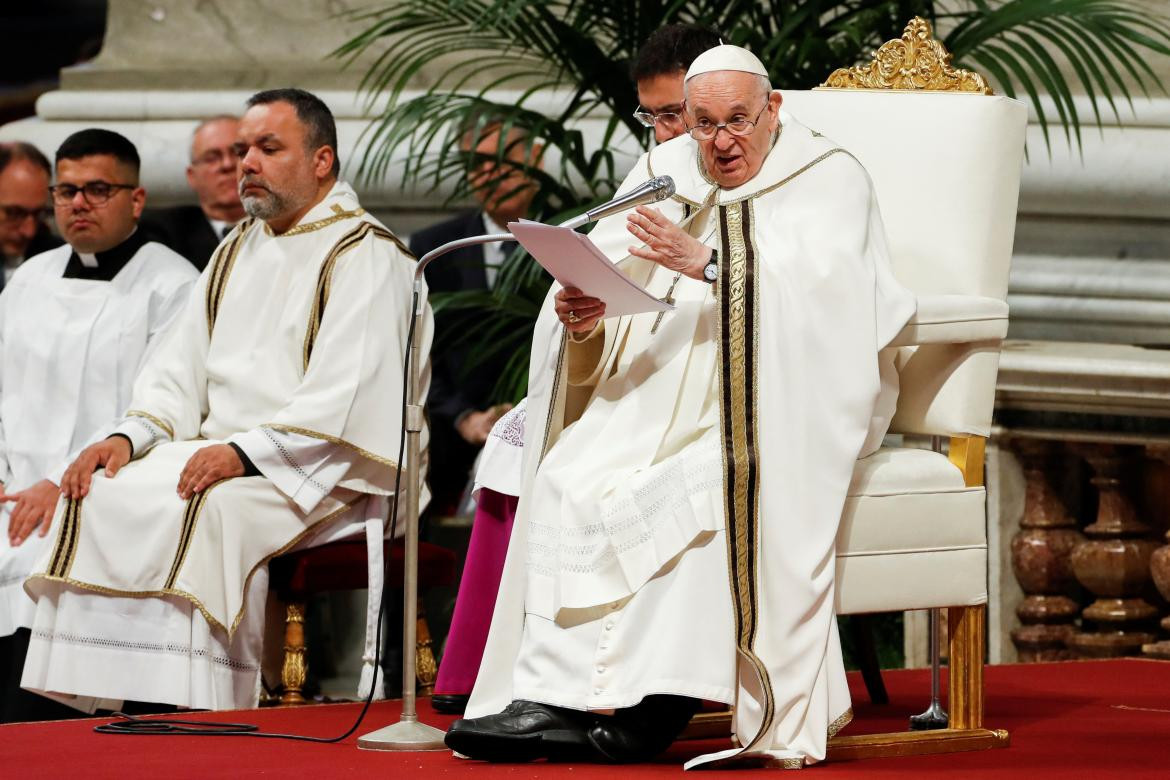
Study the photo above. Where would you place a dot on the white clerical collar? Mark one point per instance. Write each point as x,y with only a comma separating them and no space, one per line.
490,225
220,228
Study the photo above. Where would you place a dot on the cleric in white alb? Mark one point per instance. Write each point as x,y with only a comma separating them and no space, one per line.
76,324
685,473
268,419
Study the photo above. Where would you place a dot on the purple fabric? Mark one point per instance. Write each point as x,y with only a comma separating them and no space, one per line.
486,551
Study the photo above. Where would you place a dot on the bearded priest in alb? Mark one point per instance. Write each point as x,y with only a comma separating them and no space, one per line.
685,473
268,419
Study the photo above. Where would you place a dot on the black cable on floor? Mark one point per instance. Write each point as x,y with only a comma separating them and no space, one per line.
134,725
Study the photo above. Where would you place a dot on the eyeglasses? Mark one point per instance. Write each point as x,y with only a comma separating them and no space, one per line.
95,192
705,129
646,119
15,215
216,157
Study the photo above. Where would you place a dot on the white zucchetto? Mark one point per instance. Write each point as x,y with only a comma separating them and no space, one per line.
726,57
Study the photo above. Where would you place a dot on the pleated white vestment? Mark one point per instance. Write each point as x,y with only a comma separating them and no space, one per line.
290,346
684,478
69,352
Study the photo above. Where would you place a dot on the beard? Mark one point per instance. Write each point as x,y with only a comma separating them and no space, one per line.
267,204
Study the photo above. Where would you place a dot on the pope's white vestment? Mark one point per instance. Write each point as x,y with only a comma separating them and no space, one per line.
70,349
291,346
684,476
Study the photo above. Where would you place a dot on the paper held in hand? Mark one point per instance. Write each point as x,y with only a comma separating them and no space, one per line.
575,261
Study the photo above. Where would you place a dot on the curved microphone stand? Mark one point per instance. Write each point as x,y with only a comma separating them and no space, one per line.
409,733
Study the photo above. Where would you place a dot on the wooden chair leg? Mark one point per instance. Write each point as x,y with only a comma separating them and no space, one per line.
965,676
861,632
295,667
426,669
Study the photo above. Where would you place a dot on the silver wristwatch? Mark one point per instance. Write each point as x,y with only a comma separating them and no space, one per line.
711,269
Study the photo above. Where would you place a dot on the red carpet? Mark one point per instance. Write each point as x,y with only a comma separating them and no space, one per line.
1072,720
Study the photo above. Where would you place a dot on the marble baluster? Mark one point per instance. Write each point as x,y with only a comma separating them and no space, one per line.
1041,552
1158,512
1113,563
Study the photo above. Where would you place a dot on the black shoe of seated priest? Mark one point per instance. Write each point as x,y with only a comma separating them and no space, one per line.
526,731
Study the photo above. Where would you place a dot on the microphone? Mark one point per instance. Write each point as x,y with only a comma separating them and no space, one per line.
657,189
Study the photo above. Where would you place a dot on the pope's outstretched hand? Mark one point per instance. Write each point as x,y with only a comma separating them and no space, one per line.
667,244
113,453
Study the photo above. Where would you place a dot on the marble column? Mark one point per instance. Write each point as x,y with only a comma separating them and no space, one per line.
1041,559
1113,563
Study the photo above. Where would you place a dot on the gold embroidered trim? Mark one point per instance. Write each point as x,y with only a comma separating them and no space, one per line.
65,546
333,439
221,268
738,347
148,416
195,601
552,402
186,533
841,722
325,277
309,227
789,177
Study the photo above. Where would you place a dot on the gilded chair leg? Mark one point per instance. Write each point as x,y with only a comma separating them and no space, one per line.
965,680
426,669
295,667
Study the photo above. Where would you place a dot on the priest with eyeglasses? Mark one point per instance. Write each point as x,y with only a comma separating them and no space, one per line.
76,324
685,472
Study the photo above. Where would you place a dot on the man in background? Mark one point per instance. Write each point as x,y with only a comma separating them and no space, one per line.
195,231
24,191
461,403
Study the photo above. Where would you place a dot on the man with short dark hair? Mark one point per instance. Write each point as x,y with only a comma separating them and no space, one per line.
24,186
267,420
195,231
76,324
658,71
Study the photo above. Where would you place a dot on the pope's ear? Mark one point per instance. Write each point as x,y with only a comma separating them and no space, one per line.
775,100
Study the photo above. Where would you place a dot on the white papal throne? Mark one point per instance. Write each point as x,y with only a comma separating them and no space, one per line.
945,157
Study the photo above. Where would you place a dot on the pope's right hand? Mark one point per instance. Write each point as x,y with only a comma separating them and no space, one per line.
113,453
578,311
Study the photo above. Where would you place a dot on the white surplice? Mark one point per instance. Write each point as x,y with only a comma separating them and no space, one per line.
290,346
69,352
684,479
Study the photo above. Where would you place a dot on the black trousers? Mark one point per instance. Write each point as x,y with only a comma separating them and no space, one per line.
16,704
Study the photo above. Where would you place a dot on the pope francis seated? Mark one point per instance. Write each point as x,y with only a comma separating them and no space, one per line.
685,472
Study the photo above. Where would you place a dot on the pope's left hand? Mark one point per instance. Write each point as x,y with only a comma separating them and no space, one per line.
208,466
34,509
666,243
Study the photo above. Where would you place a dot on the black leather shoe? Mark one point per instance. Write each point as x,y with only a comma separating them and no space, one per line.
449,703
524,731
641,732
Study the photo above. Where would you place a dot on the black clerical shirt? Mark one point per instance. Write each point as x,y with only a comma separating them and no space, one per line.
109,262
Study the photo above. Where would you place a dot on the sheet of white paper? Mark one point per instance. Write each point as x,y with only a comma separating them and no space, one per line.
575,261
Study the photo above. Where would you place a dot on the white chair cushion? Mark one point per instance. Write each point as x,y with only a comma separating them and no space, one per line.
912,535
